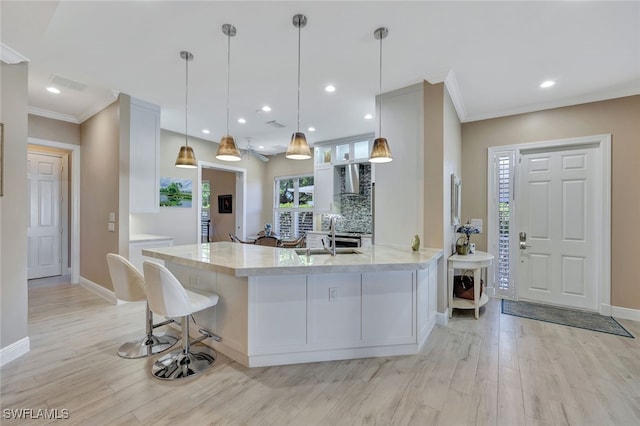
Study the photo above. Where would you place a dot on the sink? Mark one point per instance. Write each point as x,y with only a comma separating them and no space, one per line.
314,251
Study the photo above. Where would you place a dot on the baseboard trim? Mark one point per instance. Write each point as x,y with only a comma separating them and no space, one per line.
442,318
99,290
14,351
625,313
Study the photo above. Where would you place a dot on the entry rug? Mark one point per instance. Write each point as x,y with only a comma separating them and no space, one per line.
564,316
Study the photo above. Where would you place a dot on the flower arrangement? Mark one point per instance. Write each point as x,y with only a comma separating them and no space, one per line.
467,229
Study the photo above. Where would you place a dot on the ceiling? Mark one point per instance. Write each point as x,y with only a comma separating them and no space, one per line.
493,56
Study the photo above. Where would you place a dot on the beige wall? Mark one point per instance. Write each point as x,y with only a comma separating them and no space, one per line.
619,117
53,130
433,164
442,157
222,183
99,170
13,204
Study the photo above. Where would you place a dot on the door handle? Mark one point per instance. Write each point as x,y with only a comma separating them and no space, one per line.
523,241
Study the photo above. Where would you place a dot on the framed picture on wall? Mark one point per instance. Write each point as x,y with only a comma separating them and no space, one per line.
224,204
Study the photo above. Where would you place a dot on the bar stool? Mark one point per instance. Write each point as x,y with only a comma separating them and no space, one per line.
128,285
169,298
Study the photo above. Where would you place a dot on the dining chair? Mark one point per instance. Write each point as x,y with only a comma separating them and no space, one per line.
235,239
298,242
268,240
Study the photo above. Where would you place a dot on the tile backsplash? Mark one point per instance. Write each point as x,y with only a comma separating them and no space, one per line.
356,209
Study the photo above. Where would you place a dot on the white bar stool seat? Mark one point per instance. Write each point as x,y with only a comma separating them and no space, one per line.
128,285
168,297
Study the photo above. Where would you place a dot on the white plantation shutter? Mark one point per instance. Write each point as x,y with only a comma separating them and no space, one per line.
501,210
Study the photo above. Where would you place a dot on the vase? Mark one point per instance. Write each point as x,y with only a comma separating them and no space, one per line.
462,247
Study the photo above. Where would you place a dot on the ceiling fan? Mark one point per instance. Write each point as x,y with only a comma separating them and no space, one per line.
249,150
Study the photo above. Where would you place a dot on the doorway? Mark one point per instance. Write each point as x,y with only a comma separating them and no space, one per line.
46,229
228,184
549,221
70,215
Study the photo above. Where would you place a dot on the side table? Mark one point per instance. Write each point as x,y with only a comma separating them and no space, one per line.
476,262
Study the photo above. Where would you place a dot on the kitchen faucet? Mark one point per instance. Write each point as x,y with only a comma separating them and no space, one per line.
332,228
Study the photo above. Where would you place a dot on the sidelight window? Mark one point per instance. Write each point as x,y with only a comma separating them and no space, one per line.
501,220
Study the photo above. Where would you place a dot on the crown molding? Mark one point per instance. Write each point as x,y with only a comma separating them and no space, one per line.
90,112
451,84
98,106
53,115
561,103
10,56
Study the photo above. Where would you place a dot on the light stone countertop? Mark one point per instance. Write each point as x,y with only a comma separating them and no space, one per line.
244,260
139,238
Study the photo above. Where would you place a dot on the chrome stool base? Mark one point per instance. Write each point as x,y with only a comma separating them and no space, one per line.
178,364
147,346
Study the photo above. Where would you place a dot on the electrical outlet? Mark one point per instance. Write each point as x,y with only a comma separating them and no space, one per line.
477,223
333,294
111,227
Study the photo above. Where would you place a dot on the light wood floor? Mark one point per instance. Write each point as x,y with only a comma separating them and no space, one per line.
498,370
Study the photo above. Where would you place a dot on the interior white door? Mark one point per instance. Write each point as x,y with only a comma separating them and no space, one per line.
557,216
44,230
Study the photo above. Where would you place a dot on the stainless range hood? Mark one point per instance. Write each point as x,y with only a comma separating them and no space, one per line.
352,179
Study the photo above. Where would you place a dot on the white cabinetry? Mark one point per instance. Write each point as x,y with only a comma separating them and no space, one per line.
298,318
144,157
144,241
356,151
324,187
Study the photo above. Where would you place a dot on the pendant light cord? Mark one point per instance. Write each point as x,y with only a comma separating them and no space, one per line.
299,30
380,103
228,76
186,101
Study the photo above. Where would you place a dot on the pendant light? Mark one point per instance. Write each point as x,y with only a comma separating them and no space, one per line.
228,150
186,157
298,148
380,153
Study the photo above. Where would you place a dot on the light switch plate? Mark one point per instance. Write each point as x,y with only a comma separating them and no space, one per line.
112,217
477,223
112,227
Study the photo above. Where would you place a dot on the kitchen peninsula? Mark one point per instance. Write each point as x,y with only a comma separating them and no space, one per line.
280,307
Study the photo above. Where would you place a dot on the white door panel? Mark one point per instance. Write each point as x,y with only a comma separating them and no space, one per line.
557,213
43,233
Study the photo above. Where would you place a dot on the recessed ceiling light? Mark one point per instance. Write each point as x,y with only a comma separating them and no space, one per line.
547,83
241,120
368,117
311,129
261,147
53,90
206,131
266,108
330,88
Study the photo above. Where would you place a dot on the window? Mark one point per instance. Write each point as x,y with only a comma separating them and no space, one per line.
501,216
293,212
206,199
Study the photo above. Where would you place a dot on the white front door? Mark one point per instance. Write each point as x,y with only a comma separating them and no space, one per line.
43,232
557,218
